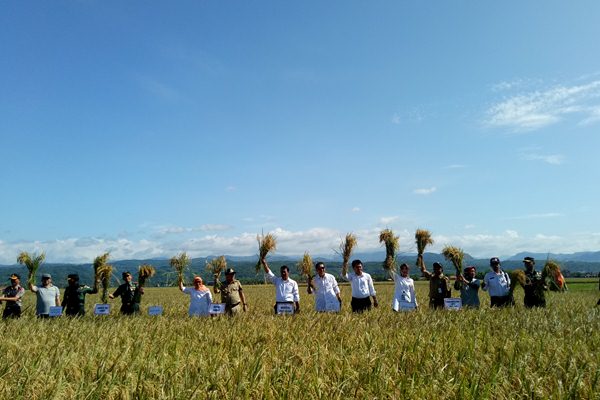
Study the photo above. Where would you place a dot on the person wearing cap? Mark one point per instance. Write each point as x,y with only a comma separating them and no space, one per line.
73,302
404,290
469,287
497,283
131,295
286,289
13,296
200,298
47,295
232,293
535,285
362,288
439,284
326,290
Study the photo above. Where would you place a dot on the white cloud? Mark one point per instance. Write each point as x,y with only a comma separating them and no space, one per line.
539,216
230,189
172,230
424,191
388,220
396,119
553,159
455,166
537,109
355,209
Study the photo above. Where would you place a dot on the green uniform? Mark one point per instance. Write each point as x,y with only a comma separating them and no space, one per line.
230,295
131,298
534,289
74,299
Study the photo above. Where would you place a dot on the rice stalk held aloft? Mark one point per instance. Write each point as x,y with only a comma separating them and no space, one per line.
392,244
145,272
32,262
346,248
557,280
455,255
216,266
305,266
104,273
99,263
517,277
422,239
179,263
266,244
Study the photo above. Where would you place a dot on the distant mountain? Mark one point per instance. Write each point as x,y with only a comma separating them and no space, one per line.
583,256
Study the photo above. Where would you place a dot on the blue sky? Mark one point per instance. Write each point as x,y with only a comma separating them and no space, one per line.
146,129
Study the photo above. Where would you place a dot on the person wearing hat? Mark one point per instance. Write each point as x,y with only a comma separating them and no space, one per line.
73,302
286,289
131,295
497,283
13,296
439,284
232,294
47,295
200,298
469,287
326,290
535,285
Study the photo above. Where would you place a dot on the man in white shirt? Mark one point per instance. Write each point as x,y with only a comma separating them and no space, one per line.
362,288
497,283
327,292
286,289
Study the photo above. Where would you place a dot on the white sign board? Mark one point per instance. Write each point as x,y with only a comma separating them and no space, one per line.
453,303
216,308
285,308
155,310
403,305
55,311
101,309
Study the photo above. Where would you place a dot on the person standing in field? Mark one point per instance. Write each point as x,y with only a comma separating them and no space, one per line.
404,290
13,296
73,302
535,285
439,284
469,287
326,290
286,289
131,295
231,292
200,298
497,283
47,295
362,288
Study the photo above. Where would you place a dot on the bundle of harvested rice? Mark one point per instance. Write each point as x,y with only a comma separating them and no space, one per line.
305,266
392,244
557,280
145,272
454,255
517,277
103,273
346,248
32,262
179,263
99,263
422,238
216,266
266,244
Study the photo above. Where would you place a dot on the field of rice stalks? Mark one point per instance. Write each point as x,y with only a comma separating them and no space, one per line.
487,353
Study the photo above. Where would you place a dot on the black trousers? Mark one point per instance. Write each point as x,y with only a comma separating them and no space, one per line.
501,301
13,311
360,305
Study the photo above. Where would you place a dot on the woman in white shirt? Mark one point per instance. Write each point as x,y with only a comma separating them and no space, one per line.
404,293
200,298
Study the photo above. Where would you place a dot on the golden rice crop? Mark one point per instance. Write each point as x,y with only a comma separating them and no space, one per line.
179,263
216,266
104,273
517,277
266,244
392,244
454,255
32,262
305,266
145,272
346,248
423,239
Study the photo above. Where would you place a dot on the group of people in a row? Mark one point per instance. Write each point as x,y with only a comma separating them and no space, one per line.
323,286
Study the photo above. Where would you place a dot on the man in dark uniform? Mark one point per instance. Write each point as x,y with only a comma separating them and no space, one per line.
439,285
535,285
231,293
73,302
12,295
131,295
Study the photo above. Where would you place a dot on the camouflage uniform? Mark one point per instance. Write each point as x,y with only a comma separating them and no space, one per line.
74,299
131,298
534,289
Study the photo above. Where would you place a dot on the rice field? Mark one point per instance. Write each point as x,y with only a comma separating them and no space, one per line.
477,354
